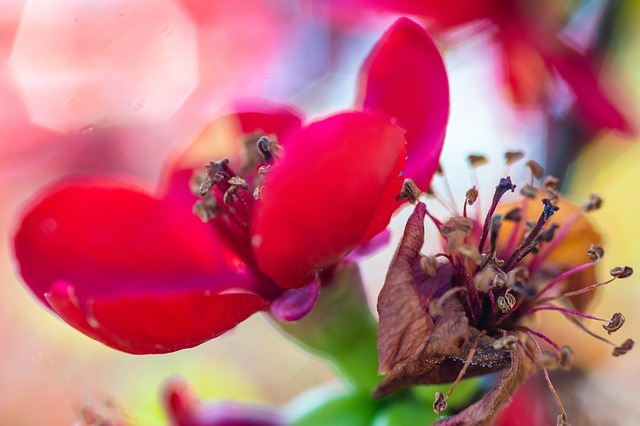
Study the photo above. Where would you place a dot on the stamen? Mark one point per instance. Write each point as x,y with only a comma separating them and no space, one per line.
506,343
410,191
625,347
589,332
616,323
537,171
496,224
562,418
542,336
564,275
441,399
566,357
469,198
452,200
564,310
548,211
621,272
504,186
429,264
269,149
474,162
574,293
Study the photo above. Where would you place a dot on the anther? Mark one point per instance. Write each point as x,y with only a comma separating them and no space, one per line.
236,183
595,253
472,195
529,191
548,360
621,272
410,191
268,149
551,186
511,157
440,403
625,347
218,170
536,169
506,343
616,323
429,264
514,215
549,208
566,357
206,209
593,203
476,160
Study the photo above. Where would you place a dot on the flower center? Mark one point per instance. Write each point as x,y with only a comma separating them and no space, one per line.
227,199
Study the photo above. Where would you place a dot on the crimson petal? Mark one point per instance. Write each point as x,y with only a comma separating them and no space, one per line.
115,244
336,187
404,76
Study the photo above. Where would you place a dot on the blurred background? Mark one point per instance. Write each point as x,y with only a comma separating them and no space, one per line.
116,88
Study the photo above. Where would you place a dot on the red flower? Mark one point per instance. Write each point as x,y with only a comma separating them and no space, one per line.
140,273
533,51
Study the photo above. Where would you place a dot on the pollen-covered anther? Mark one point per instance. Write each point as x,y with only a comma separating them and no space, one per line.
206,209
550,184
548,360
529,191
593,203
269,149
476,160
471,253
410,192
615,324
236,183
506,302
506,343
621,272
595,253
218,170
511,157
199,184
625,347
537,171
566,357
489,277
429,264
471,196
440,403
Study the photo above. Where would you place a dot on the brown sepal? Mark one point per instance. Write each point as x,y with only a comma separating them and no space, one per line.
413,347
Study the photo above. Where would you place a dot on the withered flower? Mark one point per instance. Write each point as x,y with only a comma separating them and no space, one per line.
473,312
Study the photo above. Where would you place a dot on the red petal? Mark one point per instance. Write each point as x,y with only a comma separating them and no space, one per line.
107,239
597,109
161,323
445,13
224,136
154,323
405,77
335,188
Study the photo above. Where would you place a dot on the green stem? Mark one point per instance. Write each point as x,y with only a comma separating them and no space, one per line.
341,328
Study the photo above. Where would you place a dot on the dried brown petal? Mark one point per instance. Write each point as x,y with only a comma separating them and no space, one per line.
404,325
616,323
440,403
536,169
476,160
511,157
625,347
621,272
